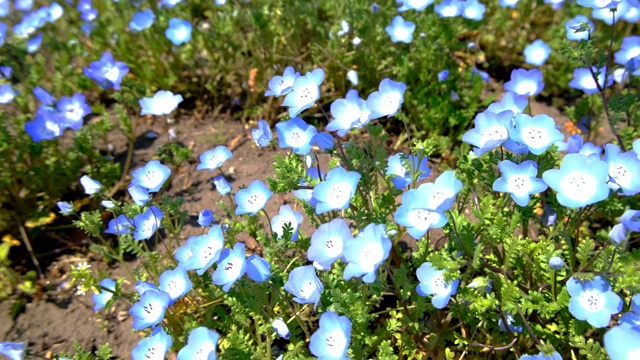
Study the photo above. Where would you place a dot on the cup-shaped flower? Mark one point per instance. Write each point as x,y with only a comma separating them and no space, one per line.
258,269
400,30
327,243
629,49
583,79
304,285
281,328
100,299
107,72
161,103
296,134
509,101
525,82
253,198
147,223
593,301
447,187
402,168
418,211
631,221
222,185
473,10
537,53
201,344
305,92
205,218
282,85
138,194
142,20
13,350
448,8
179,31
121,225
65,207
556,263
151,176
231,266
150,309
45,126
519,180
213,159
307,194
323,140
175,282
387,100
575,29
262,135
286,216
541,356
366,253
43,96
34,43
154,347
491,130
580,181
618,234
204,250
331,340
336,191
73,110
432,283
622,342
624,170
90,186
348,113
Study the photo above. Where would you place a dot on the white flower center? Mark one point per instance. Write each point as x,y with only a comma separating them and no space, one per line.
421,218
333,246
74,112
578,186
307,289
335,342
255,202
204,351
112,74
519,185
526,87
438,284
621,175
401,33
535,136
298,138
152,310
592,301
338,195
233,267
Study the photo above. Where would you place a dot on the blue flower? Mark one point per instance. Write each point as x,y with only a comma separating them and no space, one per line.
142,20
286,216
447,186
417,5
169,3
593,300
296,134
262,135
213,159
327,243
509,101
282,85
179,31
151,176
448,8
162,103
583,80
12,350
280,327
580,181
253,198
205,218
348,113
3,32
483,74
491,130
43,96
200,252
150,309
635,303
432,283
631,221
6,94
508,3
622,342
202,343
91,187
537,53
400,30
147,223
541,356
231,266
89,15
336,191
5,71
387,100
4,8
556,263
175,282
473,10
304,285
222,185
258,269
352,76
624,170
305,92
525,82
576,31
73,110
599,4
366,253
418,211
66,208
144,286
139,195
121,225
23,5
34,43
155,346
323,140
618,234
84,5
107,72
443,75
510,323
307,194
100,299
403,168
537,133
331,340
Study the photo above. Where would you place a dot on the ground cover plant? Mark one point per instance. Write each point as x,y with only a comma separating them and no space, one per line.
525,240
